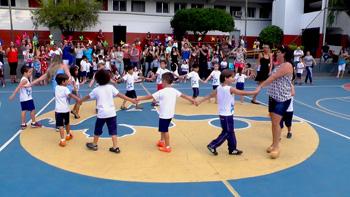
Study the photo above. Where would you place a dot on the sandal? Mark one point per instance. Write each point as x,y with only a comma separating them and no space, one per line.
114,150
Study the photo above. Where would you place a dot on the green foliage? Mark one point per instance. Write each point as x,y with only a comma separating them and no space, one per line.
271,35
334,7
294,46
200,21
67,15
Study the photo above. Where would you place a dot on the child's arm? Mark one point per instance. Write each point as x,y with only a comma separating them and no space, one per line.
209,77
143,98
21,85
41,78
75,97
92,82
122,96
186,97
211,95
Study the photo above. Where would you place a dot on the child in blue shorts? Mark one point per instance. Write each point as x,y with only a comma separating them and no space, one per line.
106,113
167,101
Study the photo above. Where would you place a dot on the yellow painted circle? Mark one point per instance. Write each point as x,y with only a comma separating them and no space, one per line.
190,161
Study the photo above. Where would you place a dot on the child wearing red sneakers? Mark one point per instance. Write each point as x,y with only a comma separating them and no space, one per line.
25,97
62,110
106,114
167,101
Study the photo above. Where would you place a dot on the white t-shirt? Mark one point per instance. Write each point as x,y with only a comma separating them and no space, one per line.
130,80
290,108
84,66
159,73
25,94
1,65
104,100
108,65
184,67
194,79
58,51
297,55
76,82
167,101
61,99
240,78
226,100
300,68
215,74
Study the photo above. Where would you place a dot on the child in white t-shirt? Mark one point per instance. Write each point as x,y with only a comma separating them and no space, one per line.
215,76
300,70
184,68
106,113
84,68
62,93
130,78
167,101
195,79
225,96
240,80
223,64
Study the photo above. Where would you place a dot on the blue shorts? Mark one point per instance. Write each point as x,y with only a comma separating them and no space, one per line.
28,105
111,125
299,75
279,108
62,119
240,86
131,94
287,119
195,92
164,125
83,74
215,86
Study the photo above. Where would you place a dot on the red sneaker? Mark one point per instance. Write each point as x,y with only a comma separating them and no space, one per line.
62,143
165,149
36,125
160,143
69,137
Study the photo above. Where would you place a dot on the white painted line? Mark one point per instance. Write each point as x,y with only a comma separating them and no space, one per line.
20,130
347,116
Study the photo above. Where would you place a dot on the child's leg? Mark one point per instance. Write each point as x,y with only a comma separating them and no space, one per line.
62,133
223,135
23,117
231,137
166,137
114,140
241,98
68,129
32,116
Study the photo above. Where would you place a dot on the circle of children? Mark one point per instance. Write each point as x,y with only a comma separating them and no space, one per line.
72,65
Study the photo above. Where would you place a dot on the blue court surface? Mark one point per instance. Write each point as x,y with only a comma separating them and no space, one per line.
325,106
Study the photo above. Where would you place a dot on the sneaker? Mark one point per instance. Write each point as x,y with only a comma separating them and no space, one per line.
69,137
235,152
76,116
36,125
212,150
91,146
123,108
165,149
62,143
254,102
23,126
114,150
161,143
289,135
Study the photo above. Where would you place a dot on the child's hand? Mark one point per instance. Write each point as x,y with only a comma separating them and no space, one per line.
196,103
11,97
135,101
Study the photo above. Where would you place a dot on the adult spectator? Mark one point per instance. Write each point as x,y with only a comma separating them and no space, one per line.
325,52
309,62
100,37
280,94
343,56
185,51
12,58
134,56
203,62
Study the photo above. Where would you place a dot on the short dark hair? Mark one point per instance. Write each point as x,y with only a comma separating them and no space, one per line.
128,68
163,61
226,74
168,77
195,66
60,78
25,69
102,77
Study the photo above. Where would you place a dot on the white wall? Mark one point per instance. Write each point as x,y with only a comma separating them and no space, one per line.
343,21
278,16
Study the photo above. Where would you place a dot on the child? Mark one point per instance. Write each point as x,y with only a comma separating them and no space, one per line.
185,68
104,94
225,96
130,78
195,79
288,116
62,94
215,75
167,101
151,75
300,69
2,79
223,64
84,68
161,70
37,69
25,97
74,72
240,79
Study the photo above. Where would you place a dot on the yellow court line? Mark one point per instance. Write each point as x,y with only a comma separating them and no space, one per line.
230,188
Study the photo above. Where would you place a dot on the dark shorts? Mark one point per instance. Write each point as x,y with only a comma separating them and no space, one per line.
240,86
279,108
83,74
111,125
131,94
164,125
27,105
13,68
299,75
287,119
215,86
195,92
62,119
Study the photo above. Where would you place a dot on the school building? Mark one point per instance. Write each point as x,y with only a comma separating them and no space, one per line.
301,20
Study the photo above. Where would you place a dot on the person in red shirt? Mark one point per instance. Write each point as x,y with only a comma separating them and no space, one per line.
12,58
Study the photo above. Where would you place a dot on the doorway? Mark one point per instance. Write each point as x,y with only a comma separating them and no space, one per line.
311,39
119,34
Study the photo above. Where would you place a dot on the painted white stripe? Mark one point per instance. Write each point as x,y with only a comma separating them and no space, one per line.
346,116
20,130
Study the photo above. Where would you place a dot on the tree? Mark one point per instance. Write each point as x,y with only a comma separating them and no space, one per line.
336,6
271,35
67,15
200,21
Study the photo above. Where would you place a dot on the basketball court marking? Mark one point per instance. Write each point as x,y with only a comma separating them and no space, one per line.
20,130
331,111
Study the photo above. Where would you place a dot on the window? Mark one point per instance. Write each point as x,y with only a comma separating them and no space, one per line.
251,12
119,5
312,5
179,6
197,5
138,6
104,4
221,7
162,7
265,10
236,11
5,3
